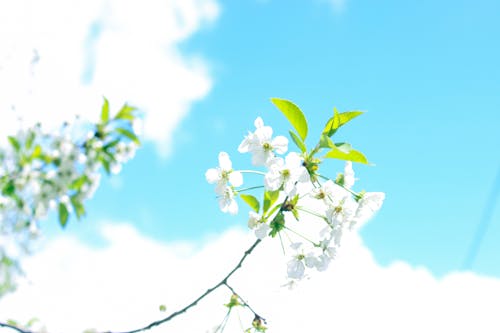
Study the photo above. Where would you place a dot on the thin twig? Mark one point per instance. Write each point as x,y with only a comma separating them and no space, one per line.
206,293
244,303
15,328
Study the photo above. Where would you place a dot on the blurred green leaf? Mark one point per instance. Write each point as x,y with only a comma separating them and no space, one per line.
126,113
293,114
77,206
37,152
105,111
125,132
9,188
29,140
14,143
63,214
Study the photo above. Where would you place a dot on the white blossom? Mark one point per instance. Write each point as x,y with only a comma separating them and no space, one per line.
368,205
223,174
286,173
227,203
262,145
348,175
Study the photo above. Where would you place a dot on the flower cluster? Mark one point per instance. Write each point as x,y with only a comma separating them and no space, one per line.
46,171
294,190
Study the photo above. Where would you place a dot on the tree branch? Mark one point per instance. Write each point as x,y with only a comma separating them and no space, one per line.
206,293
244,303
15,328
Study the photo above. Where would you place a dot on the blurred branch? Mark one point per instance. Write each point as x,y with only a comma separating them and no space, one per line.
14,328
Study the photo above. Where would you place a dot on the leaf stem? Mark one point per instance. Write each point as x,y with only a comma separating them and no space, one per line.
300,235
250,188
253,171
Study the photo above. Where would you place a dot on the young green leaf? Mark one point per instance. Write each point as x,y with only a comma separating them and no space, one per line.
29,140
326,142
332,124
126,113
63,214
343,147
78,183
293,114
105,111
14,143
251,201
353,155
298,141
9,188
277,224
37,152
77,206
270,198
125,132
345,117
338,120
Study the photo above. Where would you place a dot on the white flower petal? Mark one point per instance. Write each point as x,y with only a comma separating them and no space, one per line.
295,269
224,161
236,178
348,175
212,176
280,144
261,231
258,122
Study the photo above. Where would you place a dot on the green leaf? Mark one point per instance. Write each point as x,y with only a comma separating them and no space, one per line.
270,198
126,113
347,116
128,134
9,188
326,142
338,120
298,141
353,155
277,224
63,214
105,111
105,163
163,308
29,140
14,143
293,114
343,147
78,183
37,152
332,124
77,206
251,201
111,144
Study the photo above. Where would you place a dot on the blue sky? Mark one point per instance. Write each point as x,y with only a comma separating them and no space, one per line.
425,72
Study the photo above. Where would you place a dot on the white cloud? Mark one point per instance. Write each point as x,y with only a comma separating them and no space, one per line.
120,287
125,50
